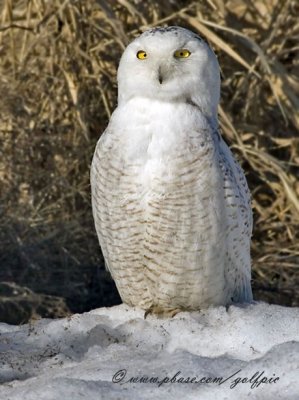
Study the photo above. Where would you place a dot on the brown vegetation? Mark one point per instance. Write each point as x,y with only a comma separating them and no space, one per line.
58,63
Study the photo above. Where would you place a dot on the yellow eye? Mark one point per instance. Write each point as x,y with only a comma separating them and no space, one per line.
182,53
141,55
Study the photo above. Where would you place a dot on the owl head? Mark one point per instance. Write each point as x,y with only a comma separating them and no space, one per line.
170,64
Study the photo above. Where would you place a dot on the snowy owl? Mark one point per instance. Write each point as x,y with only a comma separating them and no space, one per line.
170,203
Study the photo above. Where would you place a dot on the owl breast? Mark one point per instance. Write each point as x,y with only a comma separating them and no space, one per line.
159,205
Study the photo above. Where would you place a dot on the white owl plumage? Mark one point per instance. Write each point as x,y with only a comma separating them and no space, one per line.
171,205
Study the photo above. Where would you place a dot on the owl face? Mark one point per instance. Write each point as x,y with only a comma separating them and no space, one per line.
170,64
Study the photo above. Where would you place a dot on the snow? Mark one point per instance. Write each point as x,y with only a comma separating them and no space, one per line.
114,353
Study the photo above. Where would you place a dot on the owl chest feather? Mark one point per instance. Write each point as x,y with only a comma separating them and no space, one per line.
159,201
165,146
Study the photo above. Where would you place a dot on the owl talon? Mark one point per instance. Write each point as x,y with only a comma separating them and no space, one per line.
161,313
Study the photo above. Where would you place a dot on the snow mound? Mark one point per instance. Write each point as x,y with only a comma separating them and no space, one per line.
114,353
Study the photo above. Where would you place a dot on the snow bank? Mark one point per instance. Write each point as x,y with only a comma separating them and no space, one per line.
114,353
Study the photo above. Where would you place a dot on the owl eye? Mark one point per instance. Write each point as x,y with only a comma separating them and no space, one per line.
141,55
182,53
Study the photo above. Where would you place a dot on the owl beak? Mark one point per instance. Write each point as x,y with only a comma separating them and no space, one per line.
160,75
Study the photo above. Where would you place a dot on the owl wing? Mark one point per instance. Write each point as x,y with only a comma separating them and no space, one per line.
239,226
98,194
117,215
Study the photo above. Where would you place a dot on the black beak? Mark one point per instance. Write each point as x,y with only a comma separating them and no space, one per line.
160,76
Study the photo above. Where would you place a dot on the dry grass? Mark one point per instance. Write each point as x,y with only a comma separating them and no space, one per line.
58,63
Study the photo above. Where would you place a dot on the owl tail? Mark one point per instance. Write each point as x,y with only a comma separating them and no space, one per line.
243,293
